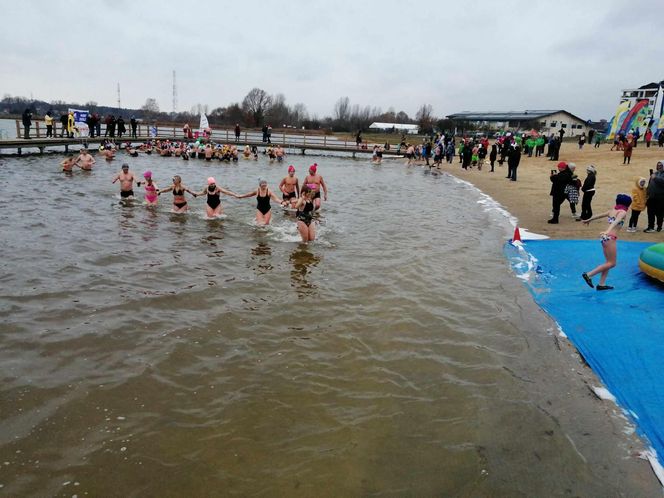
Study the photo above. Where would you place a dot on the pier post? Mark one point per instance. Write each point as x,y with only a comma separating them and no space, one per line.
37,129
18,131
66,148
20,152
41,149
302,151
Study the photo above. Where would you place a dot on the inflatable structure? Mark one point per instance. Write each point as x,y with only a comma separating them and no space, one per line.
651,261
639,109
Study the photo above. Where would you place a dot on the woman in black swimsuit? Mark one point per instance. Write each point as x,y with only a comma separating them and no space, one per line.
263,196
179,201
305,212
213,206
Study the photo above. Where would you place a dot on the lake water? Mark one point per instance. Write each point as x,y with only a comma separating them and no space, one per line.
150,354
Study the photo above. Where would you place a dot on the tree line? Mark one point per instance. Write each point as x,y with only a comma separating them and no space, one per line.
258,108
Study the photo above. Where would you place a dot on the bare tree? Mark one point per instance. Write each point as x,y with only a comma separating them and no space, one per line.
257,103
342,110
424,118
402,118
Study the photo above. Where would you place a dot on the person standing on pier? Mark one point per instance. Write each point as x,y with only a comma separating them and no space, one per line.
63,122
48,119
121,127
134,125
238,131
70,125
27,123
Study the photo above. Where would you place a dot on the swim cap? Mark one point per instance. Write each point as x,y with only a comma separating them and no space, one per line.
147,174
262,181
291,168
623,200
313,167
211,181
562,165
125,165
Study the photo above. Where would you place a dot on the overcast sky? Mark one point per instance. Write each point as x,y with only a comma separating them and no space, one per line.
465,56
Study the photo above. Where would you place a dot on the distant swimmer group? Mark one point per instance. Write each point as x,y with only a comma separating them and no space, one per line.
304,201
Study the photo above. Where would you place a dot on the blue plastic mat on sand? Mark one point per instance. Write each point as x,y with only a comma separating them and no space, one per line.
619,332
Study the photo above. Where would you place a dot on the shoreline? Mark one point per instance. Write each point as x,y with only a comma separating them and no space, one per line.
528,199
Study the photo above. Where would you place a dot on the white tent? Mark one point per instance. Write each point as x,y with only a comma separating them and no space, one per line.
411,129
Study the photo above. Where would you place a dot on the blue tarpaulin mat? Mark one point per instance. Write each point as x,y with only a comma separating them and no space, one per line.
619,332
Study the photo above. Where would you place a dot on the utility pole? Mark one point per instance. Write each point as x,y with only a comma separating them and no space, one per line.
119,104
175,95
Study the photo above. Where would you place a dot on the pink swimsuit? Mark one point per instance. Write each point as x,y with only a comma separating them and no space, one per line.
150,193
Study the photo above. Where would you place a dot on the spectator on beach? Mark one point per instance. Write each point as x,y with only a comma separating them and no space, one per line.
134,125
493,155
559,181
609,238
27,123
627,152
598,140
588,190
655,202
660,139
635,136
63,123
449,152
582,140
539,145
591,135
648,138
238,131
48,119
572,191
638,202
561,132
513,161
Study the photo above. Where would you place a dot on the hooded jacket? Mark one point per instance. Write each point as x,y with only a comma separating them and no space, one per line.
656,184
639,195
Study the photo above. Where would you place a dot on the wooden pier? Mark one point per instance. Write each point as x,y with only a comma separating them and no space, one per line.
291,140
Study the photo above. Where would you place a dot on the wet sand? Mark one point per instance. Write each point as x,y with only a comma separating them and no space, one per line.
528,198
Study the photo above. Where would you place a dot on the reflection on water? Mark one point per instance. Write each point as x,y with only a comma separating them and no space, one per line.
303,261
261,257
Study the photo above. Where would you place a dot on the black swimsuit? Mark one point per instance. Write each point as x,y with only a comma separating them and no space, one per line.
176,193
263,203
307,213
213,199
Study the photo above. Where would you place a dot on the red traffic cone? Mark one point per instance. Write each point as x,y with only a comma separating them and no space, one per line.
517,235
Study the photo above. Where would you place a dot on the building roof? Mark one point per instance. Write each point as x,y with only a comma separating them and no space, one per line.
652,85
396,126
508,116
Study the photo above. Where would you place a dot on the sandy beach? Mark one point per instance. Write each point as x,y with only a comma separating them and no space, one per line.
528,199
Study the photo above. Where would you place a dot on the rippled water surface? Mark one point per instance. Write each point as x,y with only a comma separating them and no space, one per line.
150,354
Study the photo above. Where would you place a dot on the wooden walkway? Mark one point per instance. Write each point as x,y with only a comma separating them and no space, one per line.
291,140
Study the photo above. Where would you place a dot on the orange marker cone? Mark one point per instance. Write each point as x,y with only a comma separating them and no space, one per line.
517,235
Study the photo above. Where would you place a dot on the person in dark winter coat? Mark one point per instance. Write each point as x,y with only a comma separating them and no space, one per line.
655,202
588,190
493,155
559,181
513,161
27,123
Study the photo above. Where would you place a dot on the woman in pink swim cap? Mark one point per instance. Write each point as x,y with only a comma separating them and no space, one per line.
150,189
213,207
315,183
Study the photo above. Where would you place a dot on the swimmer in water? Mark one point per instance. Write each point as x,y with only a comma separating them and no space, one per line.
150,189
179,200
85,161
263,195
305,212
213,206
290,187
69,163
126,178
609,239
247,152
315,183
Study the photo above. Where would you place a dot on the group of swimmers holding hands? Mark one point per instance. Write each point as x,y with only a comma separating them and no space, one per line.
304,200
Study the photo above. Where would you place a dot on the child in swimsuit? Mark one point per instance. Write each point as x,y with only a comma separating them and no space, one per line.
609,238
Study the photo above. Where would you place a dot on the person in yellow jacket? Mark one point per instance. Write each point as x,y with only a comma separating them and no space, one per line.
70,124
48,119
639,197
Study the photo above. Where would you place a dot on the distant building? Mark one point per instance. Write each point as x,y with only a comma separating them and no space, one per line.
411,129
640,108
550,121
